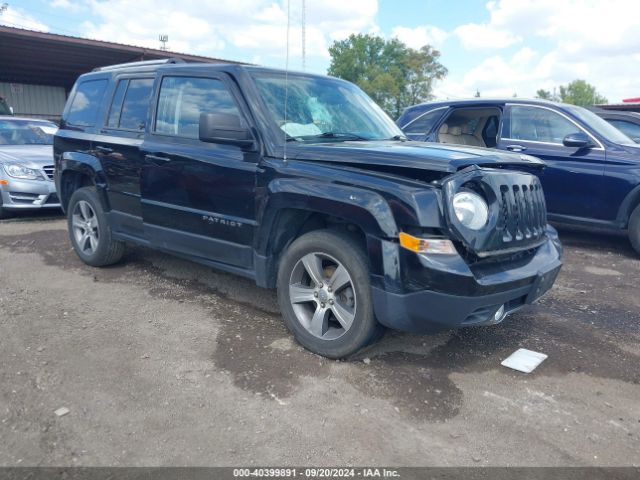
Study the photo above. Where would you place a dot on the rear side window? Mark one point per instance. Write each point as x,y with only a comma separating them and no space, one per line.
136,104
424,124
183,99
84,107
116,104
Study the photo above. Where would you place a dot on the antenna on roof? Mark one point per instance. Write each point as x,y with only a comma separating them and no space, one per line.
286,81
163,40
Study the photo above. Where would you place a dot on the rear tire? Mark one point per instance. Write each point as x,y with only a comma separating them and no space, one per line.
634,229
325,295
89,230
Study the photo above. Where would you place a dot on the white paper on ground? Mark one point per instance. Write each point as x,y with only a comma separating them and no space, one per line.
524,360
62,411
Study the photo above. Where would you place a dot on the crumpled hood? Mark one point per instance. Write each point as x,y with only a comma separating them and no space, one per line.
409,154
32,156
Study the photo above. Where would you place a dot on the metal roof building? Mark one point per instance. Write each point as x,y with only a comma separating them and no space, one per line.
627,105
37,69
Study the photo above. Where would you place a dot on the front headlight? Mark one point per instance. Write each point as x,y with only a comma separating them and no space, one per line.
16,170
471,210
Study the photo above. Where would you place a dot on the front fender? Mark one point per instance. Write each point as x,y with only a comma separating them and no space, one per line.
369,210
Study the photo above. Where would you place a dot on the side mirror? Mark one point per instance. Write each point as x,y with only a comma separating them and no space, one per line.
224,128
577,140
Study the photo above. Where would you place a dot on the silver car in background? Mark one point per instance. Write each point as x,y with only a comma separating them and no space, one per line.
26,165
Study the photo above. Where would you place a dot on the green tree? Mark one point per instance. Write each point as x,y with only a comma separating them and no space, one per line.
544,94
394,75
579,92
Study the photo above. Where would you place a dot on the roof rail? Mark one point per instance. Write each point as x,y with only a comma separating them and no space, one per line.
145,63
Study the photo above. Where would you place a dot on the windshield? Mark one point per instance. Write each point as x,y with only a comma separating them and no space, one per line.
323,109
599,125
26,132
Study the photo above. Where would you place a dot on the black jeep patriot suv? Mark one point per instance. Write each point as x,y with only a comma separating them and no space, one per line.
301,183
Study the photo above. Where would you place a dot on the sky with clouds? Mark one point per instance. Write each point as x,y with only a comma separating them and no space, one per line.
499,47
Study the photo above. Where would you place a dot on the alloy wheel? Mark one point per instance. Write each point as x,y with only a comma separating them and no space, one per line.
322,296
85,227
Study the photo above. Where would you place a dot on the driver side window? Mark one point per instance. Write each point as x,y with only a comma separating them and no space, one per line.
183,99
539,125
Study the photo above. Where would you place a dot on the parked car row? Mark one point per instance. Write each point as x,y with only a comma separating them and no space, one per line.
592,169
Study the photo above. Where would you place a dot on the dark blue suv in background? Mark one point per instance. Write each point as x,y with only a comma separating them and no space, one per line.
592,174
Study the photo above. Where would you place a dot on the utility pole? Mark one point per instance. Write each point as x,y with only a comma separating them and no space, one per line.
163,40
303,26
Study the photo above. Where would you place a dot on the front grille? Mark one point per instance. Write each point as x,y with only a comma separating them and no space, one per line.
518,211
523,212
49,171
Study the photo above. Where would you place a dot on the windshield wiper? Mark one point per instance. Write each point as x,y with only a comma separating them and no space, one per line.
345,135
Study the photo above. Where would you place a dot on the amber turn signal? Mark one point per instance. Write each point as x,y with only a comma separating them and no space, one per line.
427,245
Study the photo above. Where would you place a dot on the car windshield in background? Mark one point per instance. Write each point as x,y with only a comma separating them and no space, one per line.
600,126
323,109
26,132
631,130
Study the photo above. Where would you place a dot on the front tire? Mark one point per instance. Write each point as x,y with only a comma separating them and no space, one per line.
634,229
325,295
89,230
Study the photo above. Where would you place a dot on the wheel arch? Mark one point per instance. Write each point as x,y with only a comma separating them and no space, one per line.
295,208
628,205
79,170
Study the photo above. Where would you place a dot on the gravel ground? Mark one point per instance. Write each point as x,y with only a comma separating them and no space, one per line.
164,362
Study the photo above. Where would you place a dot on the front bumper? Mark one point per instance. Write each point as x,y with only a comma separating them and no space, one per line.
28,194
458,296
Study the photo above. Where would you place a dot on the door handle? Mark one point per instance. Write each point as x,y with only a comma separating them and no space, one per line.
102,149
516,148
157,159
